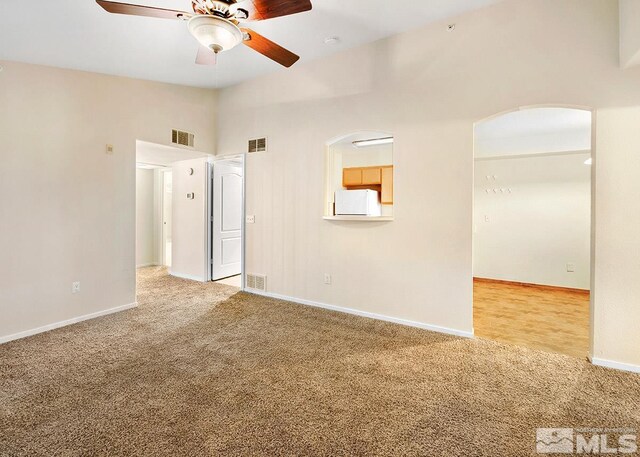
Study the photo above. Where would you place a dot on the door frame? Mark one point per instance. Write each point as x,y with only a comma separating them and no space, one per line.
243,243
592,264
162,173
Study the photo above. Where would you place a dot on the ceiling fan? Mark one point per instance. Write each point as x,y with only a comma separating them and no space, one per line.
216,24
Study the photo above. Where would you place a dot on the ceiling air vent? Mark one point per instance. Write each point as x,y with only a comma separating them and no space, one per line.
258,145
182,138
257,282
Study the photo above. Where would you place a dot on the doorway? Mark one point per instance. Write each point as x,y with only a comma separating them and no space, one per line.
156,203
532,229
227,220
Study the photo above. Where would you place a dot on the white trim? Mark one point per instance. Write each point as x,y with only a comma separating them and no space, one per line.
380,317
533,155
186,276
142,265
75,320
615,365
359,218
243,253
163,245
209,220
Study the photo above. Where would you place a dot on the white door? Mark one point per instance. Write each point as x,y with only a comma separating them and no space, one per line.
167,191
226,226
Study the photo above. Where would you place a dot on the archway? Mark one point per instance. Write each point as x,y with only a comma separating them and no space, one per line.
532,242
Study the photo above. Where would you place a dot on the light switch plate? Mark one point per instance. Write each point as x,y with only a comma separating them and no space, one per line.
571,268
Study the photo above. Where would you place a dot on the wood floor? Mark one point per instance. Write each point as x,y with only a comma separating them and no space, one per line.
546,318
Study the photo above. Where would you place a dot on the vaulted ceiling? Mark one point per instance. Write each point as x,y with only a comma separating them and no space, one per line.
78,34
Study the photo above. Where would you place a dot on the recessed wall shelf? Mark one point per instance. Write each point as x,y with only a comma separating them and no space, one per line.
359,218
359,178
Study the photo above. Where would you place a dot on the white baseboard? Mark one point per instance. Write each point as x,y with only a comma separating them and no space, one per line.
186,276
615,365
75,320
380,317
142,265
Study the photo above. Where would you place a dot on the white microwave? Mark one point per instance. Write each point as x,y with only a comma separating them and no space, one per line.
357,203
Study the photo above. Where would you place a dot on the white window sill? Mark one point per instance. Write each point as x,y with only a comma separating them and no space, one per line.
359,218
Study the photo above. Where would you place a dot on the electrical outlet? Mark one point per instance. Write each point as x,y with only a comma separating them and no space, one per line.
75,287
251,219
571,268
327,278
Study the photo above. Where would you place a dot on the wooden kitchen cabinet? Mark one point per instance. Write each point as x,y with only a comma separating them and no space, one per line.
375,178
351,177
371,176
386,193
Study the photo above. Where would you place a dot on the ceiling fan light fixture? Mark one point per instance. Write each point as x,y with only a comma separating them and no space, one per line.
215,33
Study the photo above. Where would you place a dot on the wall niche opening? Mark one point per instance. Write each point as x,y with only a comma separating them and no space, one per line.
359,177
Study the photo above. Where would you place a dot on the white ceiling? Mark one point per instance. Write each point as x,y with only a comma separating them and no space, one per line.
78,34
153,155
533,131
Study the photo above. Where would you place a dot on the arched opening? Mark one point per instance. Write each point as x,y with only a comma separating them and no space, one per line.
532,241
359,177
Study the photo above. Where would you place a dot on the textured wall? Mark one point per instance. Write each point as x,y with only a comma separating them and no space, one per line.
68,209
428,87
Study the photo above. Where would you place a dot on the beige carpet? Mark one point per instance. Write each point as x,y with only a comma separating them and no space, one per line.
199,371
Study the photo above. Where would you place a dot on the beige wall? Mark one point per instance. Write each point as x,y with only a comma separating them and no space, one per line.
629,33
145,223
537,221
428,87
189,225
67,211
617,236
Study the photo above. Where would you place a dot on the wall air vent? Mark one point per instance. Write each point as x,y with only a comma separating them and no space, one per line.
258,145
182,138
257,282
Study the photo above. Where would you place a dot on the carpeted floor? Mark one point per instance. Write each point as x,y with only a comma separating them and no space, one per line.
198,370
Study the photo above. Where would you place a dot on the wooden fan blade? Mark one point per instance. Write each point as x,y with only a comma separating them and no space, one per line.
259,10
206,56
268,48
139,10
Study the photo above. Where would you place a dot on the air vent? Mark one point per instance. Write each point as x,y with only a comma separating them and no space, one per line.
258,145
182,138
257,282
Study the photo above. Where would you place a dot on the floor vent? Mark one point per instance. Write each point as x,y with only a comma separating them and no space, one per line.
182,138
258,282
258,145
